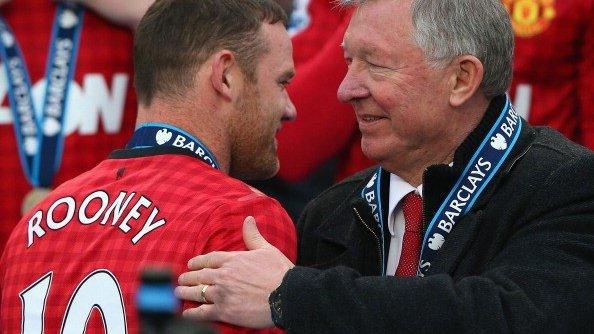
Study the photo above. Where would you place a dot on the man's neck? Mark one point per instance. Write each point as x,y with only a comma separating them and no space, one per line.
206,128
412,169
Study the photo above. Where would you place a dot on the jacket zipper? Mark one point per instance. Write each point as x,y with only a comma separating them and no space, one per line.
377,241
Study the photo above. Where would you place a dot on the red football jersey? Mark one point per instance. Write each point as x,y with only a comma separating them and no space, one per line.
101,106
554,65
83,248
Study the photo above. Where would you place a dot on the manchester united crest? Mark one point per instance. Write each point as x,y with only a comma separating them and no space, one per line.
530,17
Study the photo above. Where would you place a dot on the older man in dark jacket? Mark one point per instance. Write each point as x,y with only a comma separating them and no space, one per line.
486,223
520,260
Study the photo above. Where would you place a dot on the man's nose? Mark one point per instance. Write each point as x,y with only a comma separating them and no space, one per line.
351,87
290,113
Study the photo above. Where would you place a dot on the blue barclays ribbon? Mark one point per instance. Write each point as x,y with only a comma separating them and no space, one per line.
481,168
486,161
159,134
372,195
40,141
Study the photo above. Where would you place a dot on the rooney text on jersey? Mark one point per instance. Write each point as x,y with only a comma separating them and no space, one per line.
97,208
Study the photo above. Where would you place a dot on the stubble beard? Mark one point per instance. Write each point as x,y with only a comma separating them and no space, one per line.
253,154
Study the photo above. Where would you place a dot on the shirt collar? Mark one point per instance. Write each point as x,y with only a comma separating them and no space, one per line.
398,189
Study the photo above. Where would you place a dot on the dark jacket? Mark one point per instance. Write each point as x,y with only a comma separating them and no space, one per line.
522,260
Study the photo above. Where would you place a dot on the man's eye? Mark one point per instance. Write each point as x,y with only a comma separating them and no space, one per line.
374,65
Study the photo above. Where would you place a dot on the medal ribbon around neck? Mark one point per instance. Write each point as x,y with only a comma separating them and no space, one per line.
159,134
372,195
41,140
484,164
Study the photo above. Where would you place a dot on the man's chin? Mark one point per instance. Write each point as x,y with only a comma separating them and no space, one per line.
270,170
259,172
372,150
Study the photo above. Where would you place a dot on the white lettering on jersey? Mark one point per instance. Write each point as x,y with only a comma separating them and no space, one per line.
104,208
86,105
108,302
85,298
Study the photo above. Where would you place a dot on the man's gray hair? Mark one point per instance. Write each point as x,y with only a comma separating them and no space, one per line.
481,28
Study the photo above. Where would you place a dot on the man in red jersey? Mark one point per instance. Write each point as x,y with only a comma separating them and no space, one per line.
554,65
101,106
211,90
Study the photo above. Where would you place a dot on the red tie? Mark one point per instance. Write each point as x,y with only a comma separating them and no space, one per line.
412,206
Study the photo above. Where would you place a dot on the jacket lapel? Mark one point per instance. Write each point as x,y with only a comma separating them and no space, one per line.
352,227
336,229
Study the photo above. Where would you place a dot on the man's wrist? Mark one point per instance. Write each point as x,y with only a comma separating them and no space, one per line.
276,311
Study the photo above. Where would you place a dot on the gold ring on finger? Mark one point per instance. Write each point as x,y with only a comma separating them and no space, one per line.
203,294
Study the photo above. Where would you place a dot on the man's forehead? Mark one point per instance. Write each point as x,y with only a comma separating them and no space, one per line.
372,9
363,46
400,3
279,57
277,39
380,17
376,35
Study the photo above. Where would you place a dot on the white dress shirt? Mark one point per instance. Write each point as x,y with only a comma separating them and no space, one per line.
398,189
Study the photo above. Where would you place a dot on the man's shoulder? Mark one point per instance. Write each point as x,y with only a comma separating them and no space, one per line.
245,197
358,177
233,197
229,210
548,141
187,175
553,169
235,192
550,151
348,185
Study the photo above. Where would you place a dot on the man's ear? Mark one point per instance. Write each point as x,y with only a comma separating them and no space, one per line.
466,79
223,76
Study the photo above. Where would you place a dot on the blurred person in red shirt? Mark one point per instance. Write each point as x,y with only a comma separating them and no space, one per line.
554,65
100,106
212,96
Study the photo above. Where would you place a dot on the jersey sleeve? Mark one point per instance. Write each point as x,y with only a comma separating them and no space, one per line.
586,81
224,229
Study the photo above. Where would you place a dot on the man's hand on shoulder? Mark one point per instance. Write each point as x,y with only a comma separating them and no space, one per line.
235,285
126,13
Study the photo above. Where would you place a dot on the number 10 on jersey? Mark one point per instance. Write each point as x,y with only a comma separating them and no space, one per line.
100,290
